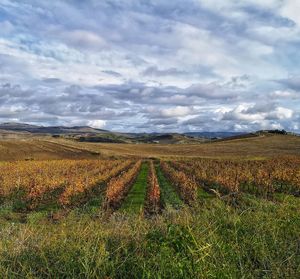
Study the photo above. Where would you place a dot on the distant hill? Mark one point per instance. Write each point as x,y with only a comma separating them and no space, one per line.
211,135
167,138
89,134
21,127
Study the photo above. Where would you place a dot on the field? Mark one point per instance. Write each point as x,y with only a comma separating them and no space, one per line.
44,148
228,209
40,149
264,146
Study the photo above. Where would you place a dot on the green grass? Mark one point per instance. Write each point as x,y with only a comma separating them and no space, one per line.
258,240
7,214
168,194
135,200
203,195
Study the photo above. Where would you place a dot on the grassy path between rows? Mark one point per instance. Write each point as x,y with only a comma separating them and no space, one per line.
169,196
135,200
204,195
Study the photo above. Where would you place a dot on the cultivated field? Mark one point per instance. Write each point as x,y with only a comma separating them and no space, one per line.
40,149
251,148
43,148
150,211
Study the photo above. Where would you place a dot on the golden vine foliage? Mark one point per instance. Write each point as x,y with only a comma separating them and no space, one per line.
153,193
94,175
185,184
118,187
36,179
263,177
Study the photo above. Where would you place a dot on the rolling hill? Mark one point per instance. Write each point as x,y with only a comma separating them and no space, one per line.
89,134
34,129
29,142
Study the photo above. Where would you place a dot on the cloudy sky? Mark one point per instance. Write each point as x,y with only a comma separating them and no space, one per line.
151,65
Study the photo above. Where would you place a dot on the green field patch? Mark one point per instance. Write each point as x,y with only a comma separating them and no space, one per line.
203,195
168,194
50,200
37,217
284,197
7,214
135,200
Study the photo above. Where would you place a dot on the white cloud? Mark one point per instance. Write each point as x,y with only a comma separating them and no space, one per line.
273,34
284,94
255,113
83,39
281,113
176,111
290,9
99,124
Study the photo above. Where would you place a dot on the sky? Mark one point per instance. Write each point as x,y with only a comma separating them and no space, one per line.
151,65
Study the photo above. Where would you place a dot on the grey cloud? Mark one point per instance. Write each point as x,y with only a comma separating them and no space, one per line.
112,73
54,106
12,65
205,122
51,80
155,71
164,122
141,93
199,120
261,108
83,39
292,83
110,103
211,91
238,82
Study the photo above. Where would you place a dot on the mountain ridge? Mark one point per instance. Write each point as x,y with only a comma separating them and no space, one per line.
90,134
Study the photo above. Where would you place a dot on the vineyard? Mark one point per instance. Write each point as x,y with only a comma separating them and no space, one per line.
150,218
261,178
28,186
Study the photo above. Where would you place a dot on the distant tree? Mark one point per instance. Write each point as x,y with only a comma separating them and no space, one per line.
281,132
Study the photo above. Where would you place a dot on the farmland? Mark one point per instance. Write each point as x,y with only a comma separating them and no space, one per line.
130,216
45,148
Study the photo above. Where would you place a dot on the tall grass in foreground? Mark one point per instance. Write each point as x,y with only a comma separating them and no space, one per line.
260,239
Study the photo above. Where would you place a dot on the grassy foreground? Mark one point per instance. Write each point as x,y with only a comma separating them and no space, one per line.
260,239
